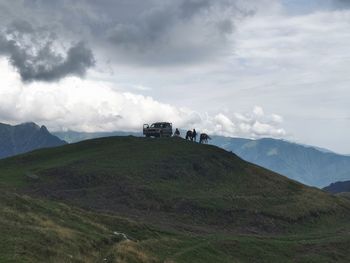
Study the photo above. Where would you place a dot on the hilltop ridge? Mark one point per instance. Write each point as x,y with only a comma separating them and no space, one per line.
307,164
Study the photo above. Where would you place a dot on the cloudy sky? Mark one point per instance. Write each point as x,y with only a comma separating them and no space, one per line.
248,68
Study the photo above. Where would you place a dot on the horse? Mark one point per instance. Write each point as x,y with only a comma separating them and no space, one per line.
203,138
189,135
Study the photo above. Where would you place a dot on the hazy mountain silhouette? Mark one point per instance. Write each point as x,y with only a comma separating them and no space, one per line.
338,187
24,138
306,164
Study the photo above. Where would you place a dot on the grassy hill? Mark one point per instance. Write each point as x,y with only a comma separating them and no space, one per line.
176,201
309,165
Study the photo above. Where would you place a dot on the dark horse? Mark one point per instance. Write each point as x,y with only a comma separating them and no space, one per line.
204,138
189,135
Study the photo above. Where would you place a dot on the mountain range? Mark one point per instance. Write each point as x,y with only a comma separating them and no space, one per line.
338,187
25,137
310,165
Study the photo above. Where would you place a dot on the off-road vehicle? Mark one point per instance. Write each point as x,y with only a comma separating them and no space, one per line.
158,129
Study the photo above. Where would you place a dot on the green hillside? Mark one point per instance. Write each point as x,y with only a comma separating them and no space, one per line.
35,230
175,201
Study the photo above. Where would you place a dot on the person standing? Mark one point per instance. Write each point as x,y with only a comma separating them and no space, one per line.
177,133
194,135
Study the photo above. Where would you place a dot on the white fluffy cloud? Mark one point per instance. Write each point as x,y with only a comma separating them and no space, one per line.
92,105
254,125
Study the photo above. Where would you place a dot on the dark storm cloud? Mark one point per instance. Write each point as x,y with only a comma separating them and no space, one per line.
154,24
143,32
33,55
174,33
340,4
343,2
191,7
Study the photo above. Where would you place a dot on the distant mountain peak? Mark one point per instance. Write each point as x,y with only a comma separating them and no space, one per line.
43,128
25,137
29,125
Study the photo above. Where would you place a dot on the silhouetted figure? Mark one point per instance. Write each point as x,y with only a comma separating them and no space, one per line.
189,135
203,138
177,133
194,135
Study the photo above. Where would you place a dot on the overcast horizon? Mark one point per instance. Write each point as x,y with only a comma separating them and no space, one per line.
241,68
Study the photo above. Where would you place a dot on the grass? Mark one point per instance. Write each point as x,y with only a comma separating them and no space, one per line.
34,230
39,231
344,194
159,173
176,201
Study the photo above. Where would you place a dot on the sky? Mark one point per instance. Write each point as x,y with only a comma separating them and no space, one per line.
240,68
